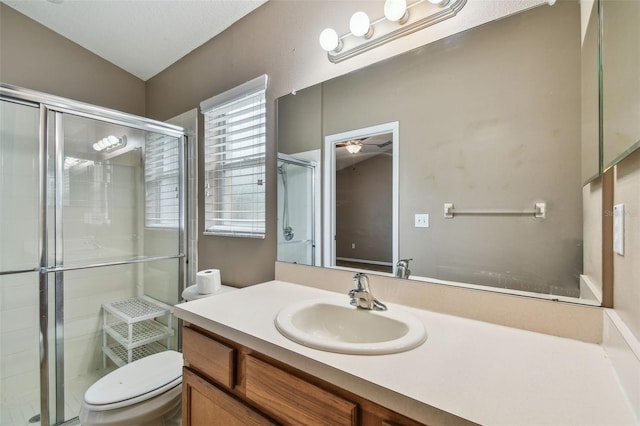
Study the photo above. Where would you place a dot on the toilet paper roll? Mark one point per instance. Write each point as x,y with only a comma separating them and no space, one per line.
208,281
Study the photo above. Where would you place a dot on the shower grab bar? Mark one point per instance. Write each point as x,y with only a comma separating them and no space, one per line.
116,263
539,211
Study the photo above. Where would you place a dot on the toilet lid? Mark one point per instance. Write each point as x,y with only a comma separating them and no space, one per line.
144,376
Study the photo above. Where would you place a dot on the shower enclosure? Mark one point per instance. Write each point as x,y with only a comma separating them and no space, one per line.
92,214
297,203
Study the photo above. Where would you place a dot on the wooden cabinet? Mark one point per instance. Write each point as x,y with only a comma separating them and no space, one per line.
205,404
291,400
227,384
212,359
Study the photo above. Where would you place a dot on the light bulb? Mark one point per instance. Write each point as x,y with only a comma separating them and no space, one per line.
359,24
329,39
439,2
96,146
113,140
394,10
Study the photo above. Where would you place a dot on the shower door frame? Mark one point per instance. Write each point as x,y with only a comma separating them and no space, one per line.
51,144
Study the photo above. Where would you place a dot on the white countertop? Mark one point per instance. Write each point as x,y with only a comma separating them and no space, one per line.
485,373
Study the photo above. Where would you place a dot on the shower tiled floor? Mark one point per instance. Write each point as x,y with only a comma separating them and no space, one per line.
18,412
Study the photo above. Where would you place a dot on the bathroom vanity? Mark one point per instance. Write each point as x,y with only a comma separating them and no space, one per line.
240,369
238,386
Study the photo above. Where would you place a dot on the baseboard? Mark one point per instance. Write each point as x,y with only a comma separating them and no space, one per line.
623,350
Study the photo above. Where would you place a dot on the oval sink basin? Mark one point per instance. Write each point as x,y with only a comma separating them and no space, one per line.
335,326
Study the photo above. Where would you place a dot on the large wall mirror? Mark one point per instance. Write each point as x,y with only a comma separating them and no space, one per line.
492,124
620,79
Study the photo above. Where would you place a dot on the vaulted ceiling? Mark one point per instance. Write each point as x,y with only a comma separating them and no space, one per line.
142,37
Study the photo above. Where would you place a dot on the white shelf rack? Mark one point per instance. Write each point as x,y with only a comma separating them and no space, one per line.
134,330
120,355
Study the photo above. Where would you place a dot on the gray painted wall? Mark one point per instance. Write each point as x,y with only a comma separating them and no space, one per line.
467,137
34,57
280,39
364,207
300,121
489,119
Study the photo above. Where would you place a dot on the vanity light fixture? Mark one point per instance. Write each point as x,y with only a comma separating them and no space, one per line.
399,20
110,143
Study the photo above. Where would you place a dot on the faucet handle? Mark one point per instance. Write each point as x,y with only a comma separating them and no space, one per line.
361,296
362,281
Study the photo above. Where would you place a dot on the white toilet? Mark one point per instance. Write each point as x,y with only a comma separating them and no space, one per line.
146,392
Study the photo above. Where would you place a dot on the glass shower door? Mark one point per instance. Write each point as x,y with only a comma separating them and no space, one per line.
92,216
20,205
118,247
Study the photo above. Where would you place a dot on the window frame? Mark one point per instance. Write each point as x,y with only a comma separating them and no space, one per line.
169,156
235,127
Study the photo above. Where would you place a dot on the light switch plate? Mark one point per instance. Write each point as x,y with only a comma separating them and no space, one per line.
618,229
422,220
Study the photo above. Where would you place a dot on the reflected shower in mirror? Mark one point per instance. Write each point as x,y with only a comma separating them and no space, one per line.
489,119
297,208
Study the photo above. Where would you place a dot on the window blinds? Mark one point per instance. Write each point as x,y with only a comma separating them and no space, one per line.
234,160
162,181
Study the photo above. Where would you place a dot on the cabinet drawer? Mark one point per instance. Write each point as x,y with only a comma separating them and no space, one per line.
213,359
205,405
291,400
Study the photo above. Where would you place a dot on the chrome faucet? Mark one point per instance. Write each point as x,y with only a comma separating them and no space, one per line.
402,269
361,296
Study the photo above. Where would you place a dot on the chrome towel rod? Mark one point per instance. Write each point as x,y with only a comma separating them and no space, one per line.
539,211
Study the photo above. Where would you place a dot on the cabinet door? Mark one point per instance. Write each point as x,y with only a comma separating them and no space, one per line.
293,401
205,405
209,358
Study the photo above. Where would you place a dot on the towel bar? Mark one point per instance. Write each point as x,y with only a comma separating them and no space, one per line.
539,211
